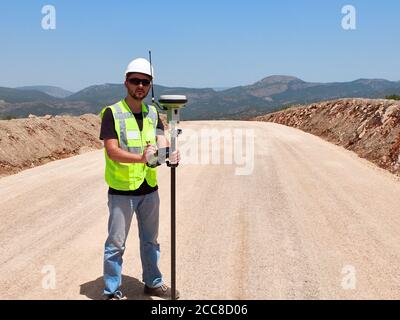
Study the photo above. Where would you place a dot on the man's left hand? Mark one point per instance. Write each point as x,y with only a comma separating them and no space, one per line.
175,157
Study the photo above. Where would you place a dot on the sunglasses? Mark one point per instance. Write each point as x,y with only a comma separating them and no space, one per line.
137,81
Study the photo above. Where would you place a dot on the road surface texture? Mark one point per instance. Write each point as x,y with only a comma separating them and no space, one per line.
313,221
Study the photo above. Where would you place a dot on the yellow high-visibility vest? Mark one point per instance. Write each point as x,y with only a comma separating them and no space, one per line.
129,176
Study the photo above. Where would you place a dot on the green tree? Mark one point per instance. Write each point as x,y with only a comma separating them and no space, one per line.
6,117
393,97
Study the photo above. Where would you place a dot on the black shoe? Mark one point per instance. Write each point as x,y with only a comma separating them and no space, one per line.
162,292
117,295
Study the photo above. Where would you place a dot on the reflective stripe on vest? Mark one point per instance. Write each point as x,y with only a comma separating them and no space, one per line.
122,116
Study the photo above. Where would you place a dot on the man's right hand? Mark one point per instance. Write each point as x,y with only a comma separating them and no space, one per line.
148,153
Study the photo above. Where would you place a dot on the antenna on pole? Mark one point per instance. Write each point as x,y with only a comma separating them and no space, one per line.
172,104
152,85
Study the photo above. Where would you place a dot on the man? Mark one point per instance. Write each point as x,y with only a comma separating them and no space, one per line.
131,131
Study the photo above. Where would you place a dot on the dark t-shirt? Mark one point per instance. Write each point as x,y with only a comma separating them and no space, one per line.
107,131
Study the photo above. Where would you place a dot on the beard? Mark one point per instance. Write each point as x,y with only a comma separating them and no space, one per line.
138,94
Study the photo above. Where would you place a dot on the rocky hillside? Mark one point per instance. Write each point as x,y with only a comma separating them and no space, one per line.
369,127
243,102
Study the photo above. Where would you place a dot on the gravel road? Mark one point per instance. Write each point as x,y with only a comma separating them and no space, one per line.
312,221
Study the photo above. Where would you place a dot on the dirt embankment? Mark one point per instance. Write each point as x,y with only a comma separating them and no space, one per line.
369,127
26,143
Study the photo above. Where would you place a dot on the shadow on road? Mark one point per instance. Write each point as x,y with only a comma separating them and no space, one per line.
131,287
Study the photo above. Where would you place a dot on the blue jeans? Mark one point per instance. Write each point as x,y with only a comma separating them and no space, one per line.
121,210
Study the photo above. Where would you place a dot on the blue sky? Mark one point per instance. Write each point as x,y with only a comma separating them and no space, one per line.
197,43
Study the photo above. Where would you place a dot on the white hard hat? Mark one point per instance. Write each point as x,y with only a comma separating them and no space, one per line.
140,65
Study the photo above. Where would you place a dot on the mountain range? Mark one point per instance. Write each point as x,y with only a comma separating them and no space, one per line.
50,90
269,94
